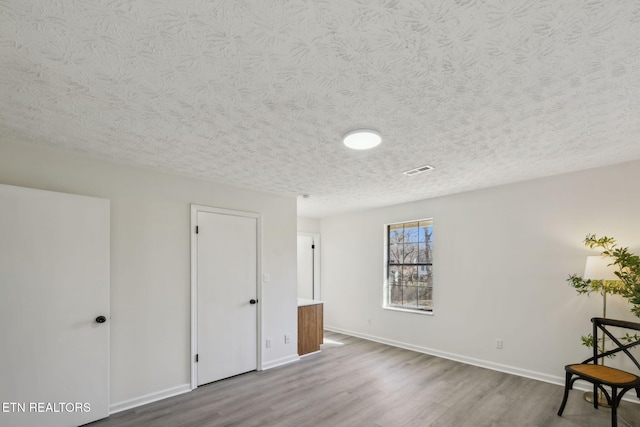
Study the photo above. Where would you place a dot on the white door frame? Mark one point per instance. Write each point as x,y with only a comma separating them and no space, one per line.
317,287
194,282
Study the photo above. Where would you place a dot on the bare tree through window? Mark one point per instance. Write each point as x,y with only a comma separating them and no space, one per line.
410,265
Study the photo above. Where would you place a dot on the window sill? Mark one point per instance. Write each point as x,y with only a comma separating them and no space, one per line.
408,310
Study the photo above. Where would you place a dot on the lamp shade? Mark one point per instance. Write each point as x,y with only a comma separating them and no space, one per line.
597,268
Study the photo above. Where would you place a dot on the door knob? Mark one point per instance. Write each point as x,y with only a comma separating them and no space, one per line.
253,301
101,319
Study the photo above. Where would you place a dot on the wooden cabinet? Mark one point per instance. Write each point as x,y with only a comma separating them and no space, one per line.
310,324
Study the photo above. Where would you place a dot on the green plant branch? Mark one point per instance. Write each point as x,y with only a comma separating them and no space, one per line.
627,270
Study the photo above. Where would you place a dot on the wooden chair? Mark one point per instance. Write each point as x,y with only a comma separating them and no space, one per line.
593,370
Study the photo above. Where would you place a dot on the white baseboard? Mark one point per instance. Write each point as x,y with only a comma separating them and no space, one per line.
280,362
148,398
456,357
552,379
184,388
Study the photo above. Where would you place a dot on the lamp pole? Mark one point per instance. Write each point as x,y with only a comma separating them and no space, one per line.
598,268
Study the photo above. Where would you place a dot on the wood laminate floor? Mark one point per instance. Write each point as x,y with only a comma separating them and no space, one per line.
354,382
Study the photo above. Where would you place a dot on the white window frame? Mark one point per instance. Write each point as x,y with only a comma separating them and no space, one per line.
386,288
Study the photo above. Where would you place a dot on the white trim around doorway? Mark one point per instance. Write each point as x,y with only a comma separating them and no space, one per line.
194,282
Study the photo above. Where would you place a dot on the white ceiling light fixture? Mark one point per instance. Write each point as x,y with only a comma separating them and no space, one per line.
362,139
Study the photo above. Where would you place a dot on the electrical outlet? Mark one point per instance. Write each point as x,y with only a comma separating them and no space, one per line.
268,343
287,339
499,343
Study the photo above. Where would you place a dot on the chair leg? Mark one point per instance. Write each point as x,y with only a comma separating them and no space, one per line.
596,396
614,407
566,393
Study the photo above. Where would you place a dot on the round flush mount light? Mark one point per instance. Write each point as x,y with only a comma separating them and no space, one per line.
362,139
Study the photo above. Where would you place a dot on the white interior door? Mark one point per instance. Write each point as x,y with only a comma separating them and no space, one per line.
54,283
227,320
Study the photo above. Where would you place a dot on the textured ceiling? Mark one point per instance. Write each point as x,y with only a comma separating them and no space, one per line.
259,93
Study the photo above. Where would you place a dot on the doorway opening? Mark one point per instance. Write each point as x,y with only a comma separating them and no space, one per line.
309,266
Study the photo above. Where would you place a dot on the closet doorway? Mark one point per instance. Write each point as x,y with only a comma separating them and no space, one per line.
226,267
309,266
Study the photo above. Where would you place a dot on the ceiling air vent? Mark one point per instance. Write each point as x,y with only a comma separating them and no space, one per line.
416,171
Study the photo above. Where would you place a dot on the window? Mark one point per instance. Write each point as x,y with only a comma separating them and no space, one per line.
410,265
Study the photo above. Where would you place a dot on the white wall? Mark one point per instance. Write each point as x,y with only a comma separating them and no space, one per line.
308,225
501,259
150,261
